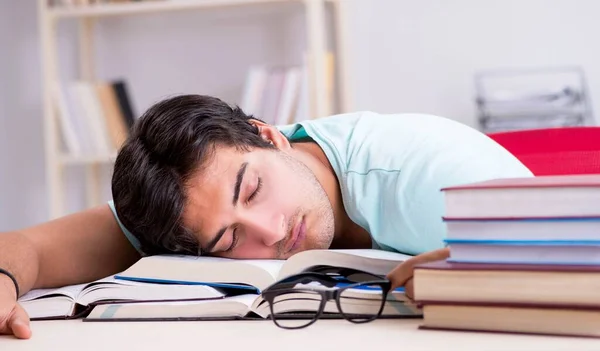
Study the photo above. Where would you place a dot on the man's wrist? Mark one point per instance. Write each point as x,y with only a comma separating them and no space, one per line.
7,286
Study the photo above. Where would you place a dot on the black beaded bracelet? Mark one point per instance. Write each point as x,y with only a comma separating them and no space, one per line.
12,277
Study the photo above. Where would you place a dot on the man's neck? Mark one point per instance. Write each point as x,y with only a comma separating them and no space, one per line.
348,235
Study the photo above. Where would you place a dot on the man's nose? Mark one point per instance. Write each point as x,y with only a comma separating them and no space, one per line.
269,229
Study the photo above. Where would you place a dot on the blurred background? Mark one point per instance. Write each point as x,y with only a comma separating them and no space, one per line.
75,73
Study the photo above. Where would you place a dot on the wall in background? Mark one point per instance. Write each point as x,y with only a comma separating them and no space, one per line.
406,56
22,187
420,56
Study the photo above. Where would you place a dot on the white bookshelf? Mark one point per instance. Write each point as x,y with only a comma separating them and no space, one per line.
67,159
139,8
87,15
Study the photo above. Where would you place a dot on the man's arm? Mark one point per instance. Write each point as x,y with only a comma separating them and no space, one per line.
78,248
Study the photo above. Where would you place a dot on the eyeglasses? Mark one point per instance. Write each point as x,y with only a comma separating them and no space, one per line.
359,296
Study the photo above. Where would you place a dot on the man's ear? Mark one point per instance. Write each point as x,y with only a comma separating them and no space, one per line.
271,134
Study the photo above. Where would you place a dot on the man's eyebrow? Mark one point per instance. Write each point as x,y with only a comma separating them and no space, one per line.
236,196
238,183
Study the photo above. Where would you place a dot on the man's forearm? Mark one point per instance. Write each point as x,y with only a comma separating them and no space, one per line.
18,256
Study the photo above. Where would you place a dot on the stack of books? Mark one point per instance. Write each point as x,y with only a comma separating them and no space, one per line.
524,258
174,287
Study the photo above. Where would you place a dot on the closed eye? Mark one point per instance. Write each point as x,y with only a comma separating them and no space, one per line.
234,241
256,191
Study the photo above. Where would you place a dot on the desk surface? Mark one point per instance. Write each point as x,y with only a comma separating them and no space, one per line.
394,334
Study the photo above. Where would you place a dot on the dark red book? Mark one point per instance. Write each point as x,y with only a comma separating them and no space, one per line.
550,285
512,319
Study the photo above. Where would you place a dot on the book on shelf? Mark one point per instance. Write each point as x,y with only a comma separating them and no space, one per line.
77,300
121,88
94,117
534,197
280,95
273,93
77,3
91,110
116,125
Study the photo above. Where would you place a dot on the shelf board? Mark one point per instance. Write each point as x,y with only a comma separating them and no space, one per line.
86,159
146,7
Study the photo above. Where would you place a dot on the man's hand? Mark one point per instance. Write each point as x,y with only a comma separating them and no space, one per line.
403,274
13,318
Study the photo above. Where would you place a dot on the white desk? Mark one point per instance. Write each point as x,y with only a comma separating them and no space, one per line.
381,335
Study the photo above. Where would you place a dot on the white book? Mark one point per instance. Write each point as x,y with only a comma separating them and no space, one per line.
253,92
524,229
75,300
69,130
256,274
525,252
289,96
251,306
303,107
93,115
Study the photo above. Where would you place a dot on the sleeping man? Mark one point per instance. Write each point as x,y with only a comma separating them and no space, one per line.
200,177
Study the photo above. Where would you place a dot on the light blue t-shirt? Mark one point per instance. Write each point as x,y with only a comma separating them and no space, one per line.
391,169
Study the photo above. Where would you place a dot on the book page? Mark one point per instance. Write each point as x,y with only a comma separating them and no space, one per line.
70,291
271,266
111,288
374,261
188,258
377,254
246,299
212,271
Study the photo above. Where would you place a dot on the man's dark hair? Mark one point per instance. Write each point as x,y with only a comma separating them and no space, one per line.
167,146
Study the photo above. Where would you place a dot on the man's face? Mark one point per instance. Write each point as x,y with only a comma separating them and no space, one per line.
258,204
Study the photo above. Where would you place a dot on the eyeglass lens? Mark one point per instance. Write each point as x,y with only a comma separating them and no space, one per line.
299,308
296,309
361,303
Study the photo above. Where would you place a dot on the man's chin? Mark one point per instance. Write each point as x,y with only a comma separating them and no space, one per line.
307,246
317,246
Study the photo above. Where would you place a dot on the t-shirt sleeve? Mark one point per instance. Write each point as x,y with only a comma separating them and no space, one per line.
132,239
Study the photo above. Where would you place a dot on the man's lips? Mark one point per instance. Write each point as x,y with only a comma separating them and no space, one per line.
298,234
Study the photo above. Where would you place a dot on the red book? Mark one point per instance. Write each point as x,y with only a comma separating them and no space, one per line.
512,319
535,197
515,284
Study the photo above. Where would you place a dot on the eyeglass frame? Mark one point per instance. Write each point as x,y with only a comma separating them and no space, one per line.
287,286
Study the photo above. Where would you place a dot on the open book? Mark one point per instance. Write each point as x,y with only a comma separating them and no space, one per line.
76,300
253,306
176,287
254,275
251,276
